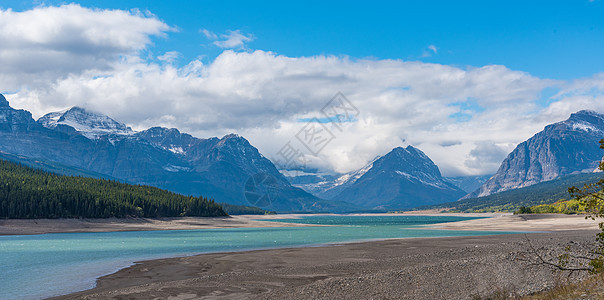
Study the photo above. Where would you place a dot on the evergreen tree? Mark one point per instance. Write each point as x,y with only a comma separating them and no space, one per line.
32,193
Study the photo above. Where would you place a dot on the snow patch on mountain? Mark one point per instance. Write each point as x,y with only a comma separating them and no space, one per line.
89,124
584,127
173,168
352,177
176,150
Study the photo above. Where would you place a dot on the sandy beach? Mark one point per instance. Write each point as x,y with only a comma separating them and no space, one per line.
41,226
418,268
509,222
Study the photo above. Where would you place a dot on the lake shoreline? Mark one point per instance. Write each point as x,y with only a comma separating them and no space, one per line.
488,222
409,268
313,271
43,226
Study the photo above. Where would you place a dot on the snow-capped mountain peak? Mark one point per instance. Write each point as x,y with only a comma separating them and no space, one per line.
563,148
585,120
90,124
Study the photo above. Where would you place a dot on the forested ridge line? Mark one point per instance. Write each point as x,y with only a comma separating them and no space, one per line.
32,193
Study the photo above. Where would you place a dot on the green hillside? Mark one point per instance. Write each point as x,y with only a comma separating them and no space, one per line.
32,193
509,201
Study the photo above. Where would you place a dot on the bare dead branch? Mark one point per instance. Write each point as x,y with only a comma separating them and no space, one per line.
557,266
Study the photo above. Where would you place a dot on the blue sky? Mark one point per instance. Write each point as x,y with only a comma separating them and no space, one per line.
549,39
464,82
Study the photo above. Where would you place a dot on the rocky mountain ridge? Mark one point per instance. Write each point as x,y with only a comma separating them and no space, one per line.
563,148
91,125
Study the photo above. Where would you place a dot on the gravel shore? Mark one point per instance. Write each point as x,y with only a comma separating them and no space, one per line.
425,268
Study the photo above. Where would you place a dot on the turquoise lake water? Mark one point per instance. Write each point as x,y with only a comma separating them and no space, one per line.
39,266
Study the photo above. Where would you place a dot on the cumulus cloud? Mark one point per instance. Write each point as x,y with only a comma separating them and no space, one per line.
45,43
261,95
465,119
232,39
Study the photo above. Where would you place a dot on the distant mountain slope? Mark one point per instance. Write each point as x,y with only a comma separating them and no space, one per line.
468,183
311,182
508,201
53,167
329,186
562,148
403,178
215,168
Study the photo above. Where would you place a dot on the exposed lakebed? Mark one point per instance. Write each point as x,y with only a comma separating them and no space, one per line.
39,266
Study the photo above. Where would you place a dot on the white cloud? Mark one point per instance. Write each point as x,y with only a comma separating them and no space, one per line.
169,56
261,95
448,112
210,35
45,43
232,39
432,49
487,155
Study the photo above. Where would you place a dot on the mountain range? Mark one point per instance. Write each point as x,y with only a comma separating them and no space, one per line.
217,168
230,170
565,148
